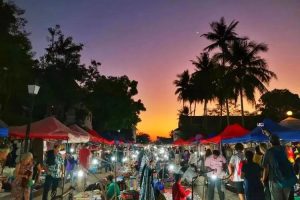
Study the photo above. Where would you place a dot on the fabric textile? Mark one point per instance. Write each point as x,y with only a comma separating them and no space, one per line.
112,190
211,189
215,164
55,167
178,192
18,189
84,157
236,160
252,184
278,193
50,182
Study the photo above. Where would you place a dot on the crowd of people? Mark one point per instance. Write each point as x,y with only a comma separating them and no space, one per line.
264,172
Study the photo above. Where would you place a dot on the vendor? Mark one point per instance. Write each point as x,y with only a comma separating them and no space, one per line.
178,191
113,190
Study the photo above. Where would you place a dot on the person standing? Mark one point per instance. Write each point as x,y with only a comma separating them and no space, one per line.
54,168
251,172
70,165
23,174
235,169
84,157
215,164
257,158
263,149
279,170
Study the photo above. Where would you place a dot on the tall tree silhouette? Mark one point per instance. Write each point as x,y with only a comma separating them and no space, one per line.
16,61
221,35
248,71
184,88
203,79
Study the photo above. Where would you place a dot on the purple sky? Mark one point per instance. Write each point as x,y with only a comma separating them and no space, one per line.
153,40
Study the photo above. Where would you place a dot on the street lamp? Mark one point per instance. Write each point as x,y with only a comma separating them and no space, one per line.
32,90
289,113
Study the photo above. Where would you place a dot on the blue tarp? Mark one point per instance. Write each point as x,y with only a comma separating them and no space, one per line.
3,129
256,134
3,132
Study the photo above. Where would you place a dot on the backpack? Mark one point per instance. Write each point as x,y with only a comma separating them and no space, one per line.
283,170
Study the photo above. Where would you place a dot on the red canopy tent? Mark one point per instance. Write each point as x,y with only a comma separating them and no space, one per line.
231,131
48,128
95,137
84,135
181,141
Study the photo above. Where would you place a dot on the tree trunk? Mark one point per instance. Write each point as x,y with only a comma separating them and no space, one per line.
190,111
195,108
205,108
242,107
226,100
221,116
227,110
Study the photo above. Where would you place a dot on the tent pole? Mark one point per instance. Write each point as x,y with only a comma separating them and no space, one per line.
64,174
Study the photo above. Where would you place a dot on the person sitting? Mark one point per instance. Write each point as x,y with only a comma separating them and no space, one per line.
178,191
113,190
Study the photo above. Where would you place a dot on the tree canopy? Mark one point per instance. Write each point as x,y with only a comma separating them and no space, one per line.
16,61
66,84
276,103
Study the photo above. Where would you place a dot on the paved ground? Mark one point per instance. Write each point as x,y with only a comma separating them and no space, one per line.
197,194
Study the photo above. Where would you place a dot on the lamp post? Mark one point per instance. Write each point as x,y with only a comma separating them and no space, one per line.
32,90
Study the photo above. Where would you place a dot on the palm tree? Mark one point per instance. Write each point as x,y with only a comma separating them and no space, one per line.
221,35
203,79
248,71
183,88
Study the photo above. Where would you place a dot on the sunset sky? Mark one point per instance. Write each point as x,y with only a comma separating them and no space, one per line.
153,40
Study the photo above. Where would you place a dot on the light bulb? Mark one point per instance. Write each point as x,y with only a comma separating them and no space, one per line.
213,177
95,162
80,173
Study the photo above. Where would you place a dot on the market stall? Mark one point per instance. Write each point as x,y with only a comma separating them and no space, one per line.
290,122
3,129
231,131
49,128
84,135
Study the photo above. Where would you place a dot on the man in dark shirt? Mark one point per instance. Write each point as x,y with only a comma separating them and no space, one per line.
272,166
251,172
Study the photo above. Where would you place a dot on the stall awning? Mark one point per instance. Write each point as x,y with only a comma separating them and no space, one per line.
48,128
290,122
231,131
84,135
95,137
181,141
3,129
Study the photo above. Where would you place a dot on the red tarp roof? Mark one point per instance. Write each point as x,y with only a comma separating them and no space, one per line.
181,141
84,135
231,131
48,128
95,137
